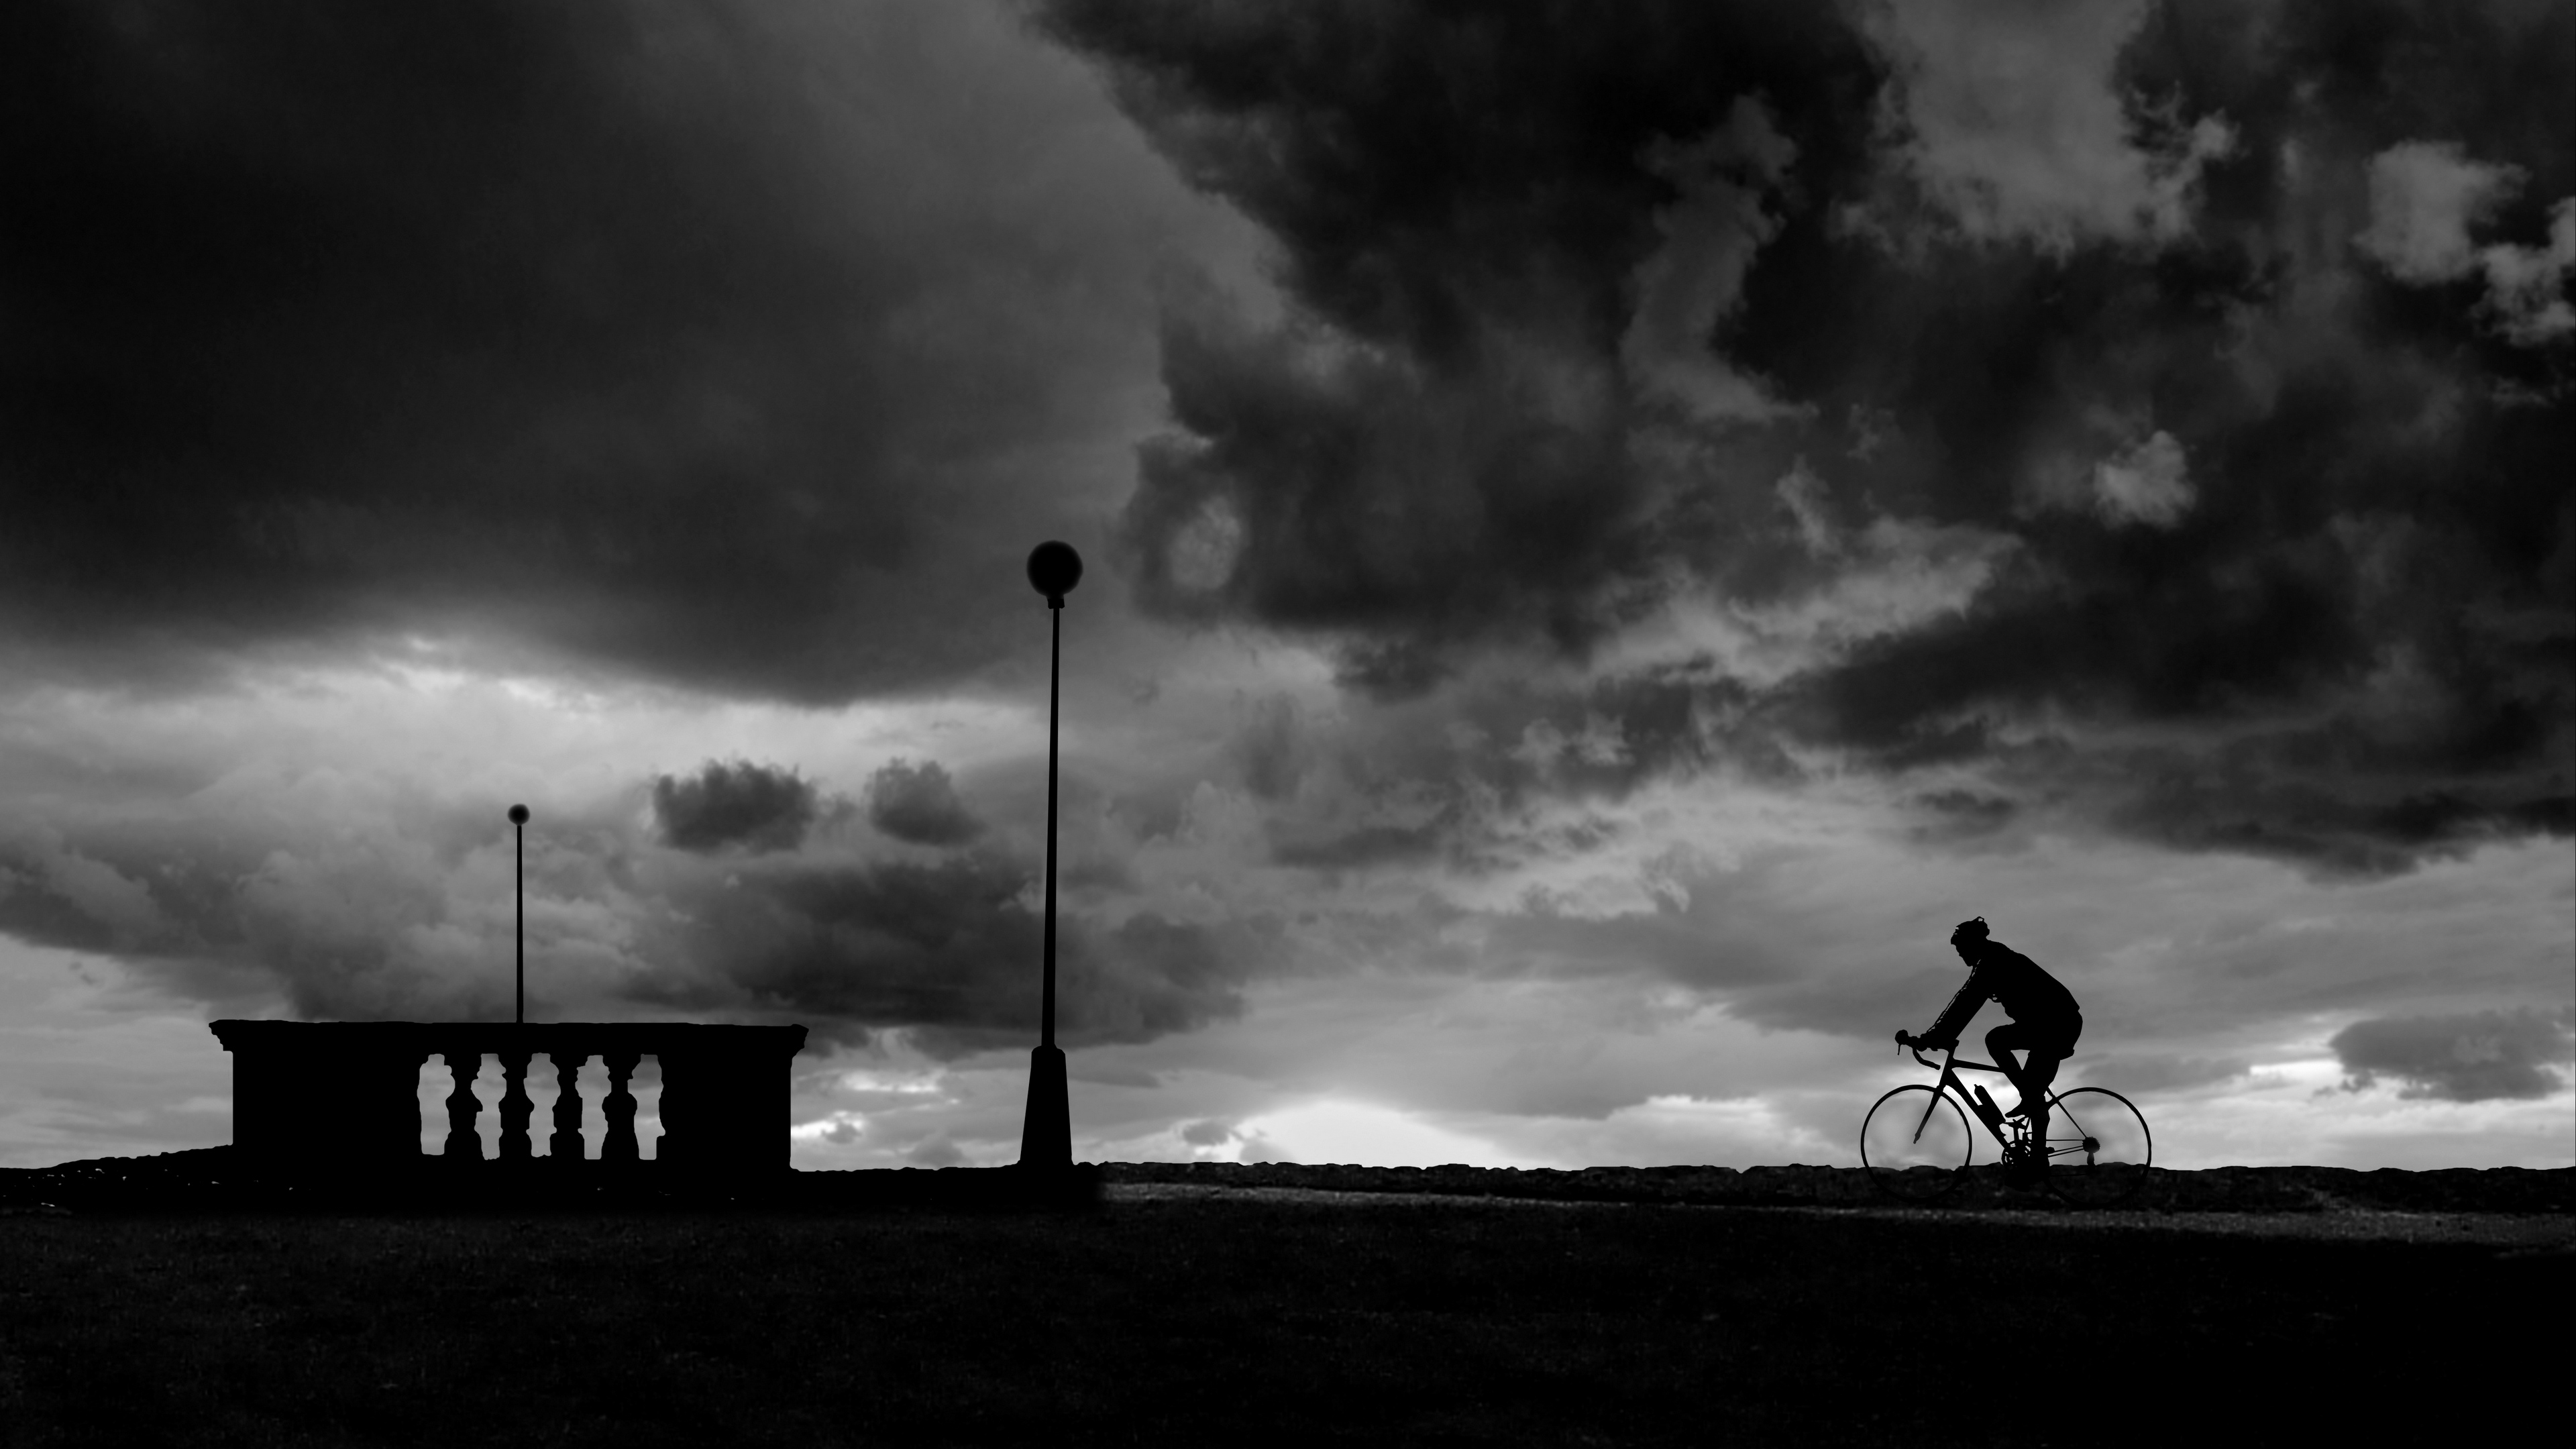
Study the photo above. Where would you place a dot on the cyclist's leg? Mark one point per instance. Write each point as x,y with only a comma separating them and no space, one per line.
2001,1043
2041,1071
2057,1045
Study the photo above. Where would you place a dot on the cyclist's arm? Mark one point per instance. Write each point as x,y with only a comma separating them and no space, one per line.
1954,1017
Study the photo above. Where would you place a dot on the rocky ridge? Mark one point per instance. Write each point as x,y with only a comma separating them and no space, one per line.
2219,1189
212,1179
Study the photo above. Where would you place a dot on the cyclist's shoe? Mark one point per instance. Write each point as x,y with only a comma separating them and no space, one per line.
2019,1109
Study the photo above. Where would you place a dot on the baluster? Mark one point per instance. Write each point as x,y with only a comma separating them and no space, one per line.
462,1141
619,1109
565,1144
516,1108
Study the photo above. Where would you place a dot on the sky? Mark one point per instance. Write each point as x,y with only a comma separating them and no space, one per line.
1609,528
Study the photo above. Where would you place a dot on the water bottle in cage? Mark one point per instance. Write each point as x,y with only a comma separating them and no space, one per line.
1986,1108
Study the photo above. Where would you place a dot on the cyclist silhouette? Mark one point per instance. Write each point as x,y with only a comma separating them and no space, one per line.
2045,1019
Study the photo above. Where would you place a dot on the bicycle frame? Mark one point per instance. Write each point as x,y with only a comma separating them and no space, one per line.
1950,1068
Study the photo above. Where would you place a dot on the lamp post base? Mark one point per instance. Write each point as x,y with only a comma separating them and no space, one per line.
1046,1133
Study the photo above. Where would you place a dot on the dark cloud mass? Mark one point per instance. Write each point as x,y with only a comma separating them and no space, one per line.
2237,410
919,804
2475,1058
1459,195
949,948
754,806
673,338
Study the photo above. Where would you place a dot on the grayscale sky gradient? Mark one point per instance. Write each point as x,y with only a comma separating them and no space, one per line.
1610,528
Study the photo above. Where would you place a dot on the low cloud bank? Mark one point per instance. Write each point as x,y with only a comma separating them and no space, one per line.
2481,1057
723,899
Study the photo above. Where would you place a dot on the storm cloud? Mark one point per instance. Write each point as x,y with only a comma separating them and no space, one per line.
1611,526
2161,409
668,341
948,949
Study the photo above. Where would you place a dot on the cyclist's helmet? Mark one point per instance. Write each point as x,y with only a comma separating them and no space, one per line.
1969,931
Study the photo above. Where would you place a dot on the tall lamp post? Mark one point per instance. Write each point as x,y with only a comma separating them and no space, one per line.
1046,1133
519,903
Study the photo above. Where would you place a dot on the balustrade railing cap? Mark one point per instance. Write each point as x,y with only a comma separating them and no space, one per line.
650,1037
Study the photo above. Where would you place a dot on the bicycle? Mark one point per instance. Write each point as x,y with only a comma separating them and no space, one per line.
2096,1155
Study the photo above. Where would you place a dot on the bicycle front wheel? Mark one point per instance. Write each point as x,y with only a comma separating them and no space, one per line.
2098,1148
1915,1143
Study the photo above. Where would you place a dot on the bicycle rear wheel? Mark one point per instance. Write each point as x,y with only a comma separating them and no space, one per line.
1915,1143
2098,1148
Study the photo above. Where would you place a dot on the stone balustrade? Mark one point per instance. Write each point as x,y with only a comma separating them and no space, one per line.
342,1097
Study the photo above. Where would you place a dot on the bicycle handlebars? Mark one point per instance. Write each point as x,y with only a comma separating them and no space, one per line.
1916,1046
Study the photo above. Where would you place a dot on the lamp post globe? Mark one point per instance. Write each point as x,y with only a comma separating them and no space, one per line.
1054,568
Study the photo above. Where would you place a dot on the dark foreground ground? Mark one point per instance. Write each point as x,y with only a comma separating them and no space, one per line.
1199,1307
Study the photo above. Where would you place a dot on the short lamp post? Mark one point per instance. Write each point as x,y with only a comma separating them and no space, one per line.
1046,1133
519,904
